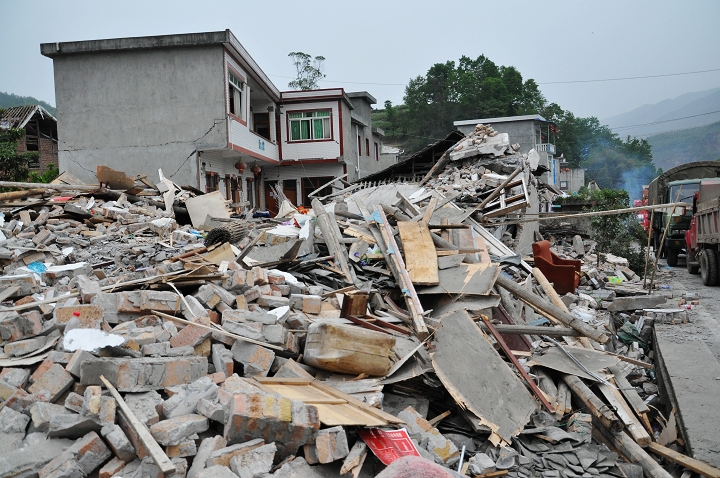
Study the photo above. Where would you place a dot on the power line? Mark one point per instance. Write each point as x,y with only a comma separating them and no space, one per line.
663,121
600,80
627,78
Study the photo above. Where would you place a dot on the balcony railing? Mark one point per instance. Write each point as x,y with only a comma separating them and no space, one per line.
548,148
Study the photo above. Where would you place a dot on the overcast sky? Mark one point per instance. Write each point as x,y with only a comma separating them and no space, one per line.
378,46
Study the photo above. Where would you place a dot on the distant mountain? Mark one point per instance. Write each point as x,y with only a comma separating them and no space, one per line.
679,147
697,109
8,100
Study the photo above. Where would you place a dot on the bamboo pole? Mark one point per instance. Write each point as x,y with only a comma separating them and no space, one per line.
57,187
609,212
9,196
662,241
647,249
596,406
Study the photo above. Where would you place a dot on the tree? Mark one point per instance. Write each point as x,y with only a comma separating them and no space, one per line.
14,166
309,71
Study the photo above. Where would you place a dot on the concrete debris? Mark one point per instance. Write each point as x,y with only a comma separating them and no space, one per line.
131,348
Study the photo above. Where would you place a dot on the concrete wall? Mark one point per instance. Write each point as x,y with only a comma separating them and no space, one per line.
575,179
140,110
522,132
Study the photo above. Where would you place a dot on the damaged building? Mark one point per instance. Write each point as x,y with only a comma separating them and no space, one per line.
200,108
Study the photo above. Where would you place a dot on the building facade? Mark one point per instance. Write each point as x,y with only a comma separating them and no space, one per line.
41,134
201,109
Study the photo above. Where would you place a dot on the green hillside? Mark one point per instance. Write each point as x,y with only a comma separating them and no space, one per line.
8,99
685,146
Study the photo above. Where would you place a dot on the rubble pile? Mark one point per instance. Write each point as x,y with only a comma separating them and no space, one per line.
386,327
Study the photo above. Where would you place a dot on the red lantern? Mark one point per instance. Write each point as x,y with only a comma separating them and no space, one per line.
255,169
240,166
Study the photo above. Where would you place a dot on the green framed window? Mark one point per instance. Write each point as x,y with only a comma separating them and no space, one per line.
310,125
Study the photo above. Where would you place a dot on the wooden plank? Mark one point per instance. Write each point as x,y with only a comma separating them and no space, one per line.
143,434
622,410
628,391
411,298
699,467
355,458
419,251
408,206
478,378
328,227
429,210
596,406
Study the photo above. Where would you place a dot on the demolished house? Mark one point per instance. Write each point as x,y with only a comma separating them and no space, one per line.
149,330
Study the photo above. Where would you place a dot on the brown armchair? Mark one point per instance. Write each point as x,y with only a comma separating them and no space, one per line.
563,273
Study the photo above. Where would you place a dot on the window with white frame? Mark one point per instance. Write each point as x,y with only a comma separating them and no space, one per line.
235,91
563,184
310,125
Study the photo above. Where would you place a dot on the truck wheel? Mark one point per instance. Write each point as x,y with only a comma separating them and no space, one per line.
709,267
672,257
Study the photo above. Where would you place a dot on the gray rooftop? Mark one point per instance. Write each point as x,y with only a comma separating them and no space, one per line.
504,119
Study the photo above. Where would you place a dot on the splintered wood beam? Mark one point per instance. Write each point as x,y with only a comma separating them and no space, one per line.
331,234
699,467
548,308
411,297
143,434
596,406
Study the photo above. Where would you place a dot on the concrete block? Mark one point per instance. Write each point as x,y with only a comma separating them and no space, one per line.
89,316
260,276
28,285
143,374
111,468
635,303
12,421
251,330
330,444
56,381
237,281
223,456
240,302
24,347
147,406
298,468
214,411
78,358
72,426
30,459
187,397
176,430
118,442
288,423
74,402
254,462
443,450
207,447
91,400
256,359
159,349
190,336
89,452
195,310
222,359
41,413
274,334
310,304
148,469
181,450
272,302
163,301
252,294
217,471
16,377
87,288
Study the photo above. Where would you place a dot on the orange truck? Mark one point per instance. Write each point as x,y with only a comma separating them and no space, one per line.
703,236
